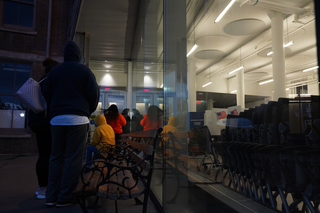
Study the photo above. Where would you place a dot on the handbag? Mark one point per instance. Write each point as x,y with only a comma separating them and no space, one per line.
30,95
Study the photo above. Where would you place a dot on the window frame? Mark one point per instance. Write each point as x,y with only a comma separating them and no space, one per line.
13,130
17,27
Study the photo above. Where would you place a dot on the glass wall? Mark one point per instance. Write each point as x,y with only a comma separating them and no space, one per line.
244,87
239,92
251,87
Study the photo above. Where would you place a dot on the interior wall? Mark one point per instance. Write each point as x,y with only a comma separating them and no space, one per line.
218,84
111,79
145,79
120,79
251,88
313,89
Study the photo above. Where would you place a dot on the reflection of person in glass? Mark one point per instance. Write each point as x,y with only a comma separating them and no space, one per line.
171,126
125,113
135,123
153,118
40,125
115,120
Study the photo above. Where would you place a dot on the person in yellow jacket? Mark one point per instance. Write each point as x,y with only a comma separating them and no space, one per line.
171,126
103,136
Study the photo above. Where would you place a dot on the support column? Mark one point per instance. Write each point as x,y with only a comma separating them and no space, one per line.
129,85
240,88
192,86
87,49
278,57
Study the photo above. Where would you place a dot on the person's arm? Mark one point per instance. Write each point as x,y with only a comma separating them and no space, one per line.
142,121
93,91
96,137
123,121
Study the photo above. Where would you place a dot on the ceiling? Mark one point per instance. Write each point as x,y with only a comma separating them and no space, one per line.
242,37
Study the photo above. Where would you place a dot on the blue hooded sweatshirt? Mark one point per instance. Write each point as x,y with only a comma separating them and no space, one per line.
71,87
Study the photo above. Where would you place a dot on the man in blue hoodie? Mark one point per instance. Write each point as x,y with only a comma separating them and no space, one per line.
72,94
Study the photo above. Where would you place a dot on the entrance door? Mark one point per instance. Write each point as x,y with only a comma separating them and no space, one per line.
118,98
142,101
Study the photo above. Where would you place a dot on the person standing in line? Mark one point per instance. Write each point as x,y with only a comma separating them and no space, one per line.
153,118
135,123
115,120
40,125
72,93
125,113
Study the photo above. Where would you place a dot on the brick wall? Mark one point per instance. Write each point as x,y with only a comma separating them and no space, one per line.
31,48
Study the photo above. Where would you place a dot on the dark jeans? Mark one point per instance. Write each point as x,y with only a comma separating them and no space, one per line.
89,153
44,142
117,137
68,145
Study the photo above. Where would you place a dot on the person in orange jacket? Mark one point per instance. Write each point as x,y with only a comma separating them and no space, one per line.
103,136
153,118
115,120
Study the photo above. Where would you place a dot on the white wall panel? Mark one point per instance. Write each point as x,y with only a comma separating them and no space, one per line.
111,79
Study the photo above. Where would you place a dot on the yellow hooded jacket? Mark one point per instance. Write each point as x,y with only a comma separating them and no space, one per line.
104,134
171,126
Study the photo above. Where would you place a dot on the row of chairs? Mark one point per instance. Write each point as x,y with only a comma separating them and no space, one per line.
271,153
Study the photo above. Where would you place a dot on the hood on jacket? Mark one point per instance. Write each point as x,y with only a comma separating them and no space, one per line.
72,52
173,120
100,119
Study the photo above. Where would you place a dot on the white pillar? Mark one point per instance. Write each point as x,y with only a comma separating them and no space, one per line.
240,88
129,85
278,57
192,93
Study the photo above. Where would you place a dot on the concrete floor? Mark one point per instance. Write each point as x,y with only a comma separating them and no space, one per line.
18,184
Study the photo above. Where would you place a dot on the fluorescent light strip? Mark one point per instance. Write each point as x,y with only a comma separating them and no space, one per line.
161,86
192,49
266,82
239,68
288,44
312,68
224,11
233,91
287,88
207,84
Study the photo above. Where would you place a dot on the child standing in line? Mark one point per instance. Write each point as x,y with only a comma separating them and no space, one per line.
103,136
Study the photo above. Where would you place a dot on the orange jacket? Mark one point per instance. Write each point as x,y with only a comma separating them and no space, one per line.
117,124
150,124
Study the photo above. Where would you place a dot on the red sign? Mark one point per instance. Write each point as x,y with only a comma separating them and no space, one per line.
146,90
198,102
106,88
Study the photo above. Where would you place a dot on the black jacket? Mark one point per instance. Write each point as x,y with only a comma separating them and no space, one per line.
71,87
